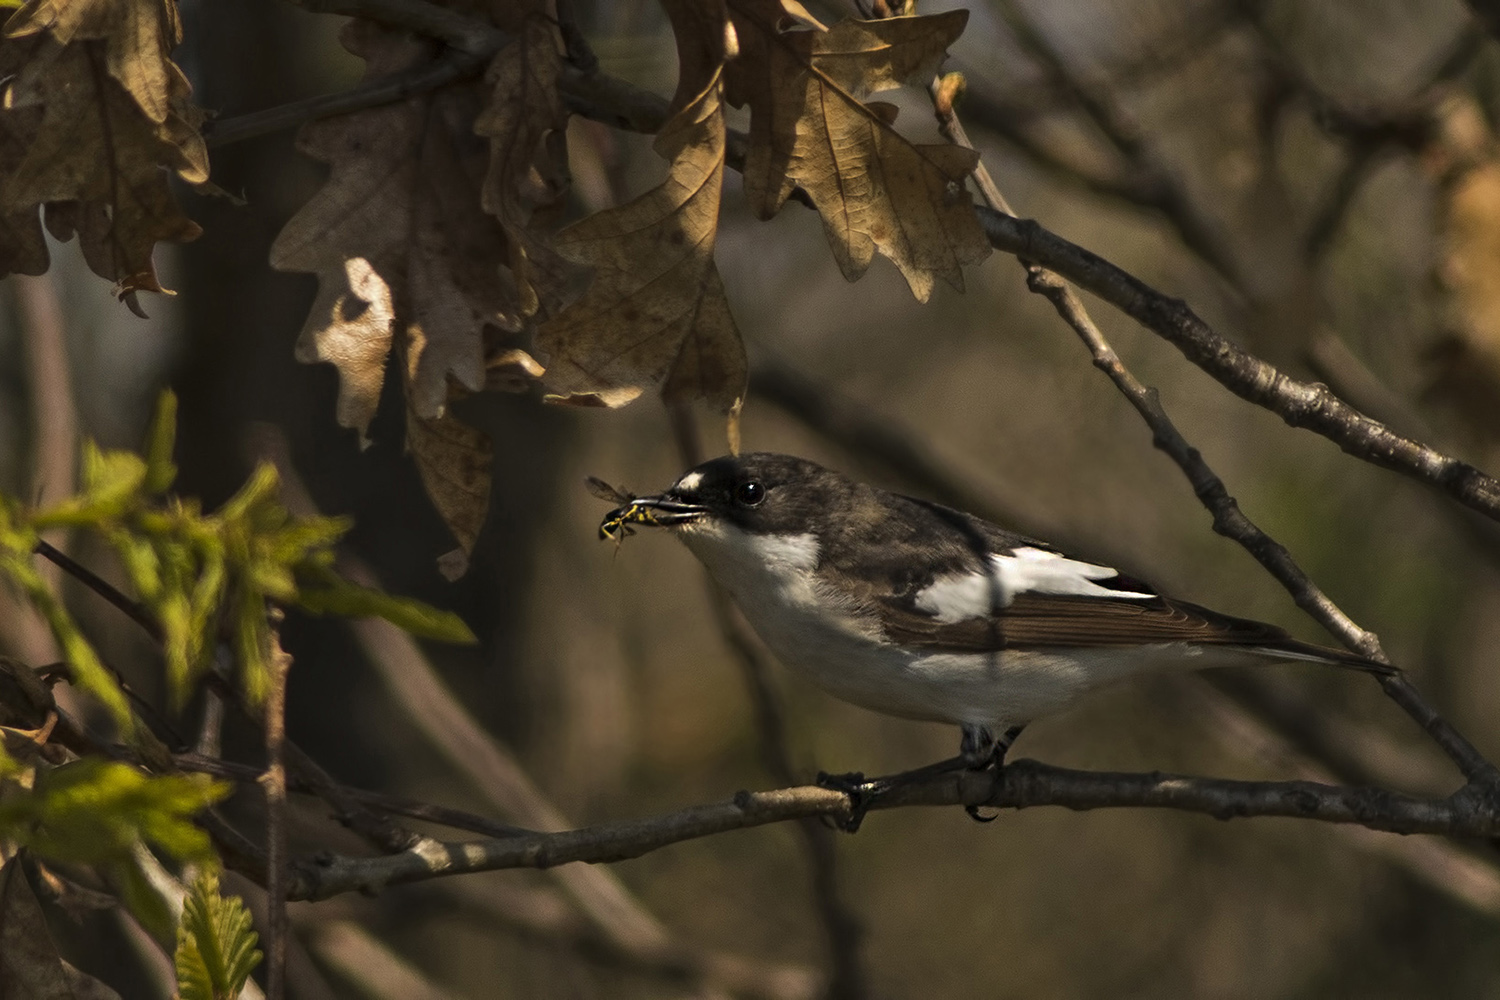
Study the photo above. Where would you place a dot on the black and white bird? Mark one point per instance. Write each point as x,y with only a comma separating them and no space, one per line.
917,610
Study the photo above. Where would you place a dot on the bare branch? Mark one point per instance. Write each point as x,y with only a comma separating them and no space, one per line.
1231,522
1021,784
386,90
1300,404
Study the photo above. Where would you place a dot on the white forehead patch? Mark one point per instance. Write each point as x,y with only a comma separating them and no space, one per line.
961,596
689,482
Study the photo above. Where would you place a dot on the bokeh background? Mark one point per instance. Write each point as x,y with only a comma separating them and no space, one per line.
1317,179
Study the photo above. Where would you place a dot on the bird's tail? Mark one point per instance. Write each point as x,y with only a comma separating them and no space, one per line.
1309,652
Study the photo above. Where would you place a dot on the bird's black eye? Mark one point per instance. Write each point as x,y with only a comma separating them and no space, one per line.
749,494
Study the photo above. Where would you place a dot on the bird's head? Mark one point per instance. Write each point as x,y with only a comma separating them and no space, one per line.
737,502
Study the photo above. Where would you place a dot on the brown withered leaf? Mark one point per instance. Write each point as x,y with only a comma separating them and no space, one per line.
655,313
84,140
526,124
408,262
455,463
809,128
402,195
139,36
23,248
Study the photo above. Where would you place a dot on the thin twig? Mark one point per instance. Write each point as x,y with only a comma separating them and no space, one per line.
133,609
396,805
371,94
1166,192
274,784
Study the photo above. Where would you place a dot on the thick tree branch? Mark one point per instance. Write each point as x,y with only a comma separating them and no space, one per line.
1300,404
1022,784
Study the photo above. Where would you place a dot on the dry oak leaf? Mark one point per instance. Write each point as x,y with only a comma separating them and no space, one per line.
655,312
23,247
526,124
809,128
138,36
94,158
406,262
403,196
455,462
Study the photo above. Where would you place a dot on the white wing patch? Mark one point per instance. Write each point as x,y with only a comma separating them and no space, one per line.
959,597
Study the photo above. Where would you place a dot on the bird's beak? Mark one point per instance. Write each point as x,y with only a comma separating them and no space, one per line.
659,511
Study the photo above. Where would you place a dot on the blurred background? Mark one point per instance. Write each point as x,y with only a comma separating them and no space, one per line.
1319,180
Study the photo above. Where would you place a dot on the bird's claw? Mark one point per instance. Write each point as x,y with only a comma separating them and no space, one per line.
862,794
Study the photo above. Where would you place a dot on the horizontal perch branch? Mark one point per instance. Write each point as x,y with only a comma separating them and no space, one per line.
1023,784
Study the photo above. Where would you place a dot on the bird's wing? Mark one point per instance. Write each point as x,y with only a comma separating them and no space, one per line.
1036,620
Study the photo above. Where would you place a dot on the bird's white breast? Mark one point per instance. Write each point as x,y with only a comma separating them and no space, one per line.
823,634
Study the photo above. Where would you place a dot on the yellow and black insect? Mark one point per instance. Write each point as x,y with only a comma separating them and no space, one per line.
617,523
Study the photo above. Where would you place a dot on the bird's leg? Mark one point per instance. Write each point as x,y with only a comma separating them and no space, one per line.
977,747
978,750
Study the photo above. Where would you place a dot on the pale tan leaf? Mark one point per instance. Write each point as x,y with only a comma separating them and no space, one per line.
801,15
874,190
710,362
512,370
454,461
356,339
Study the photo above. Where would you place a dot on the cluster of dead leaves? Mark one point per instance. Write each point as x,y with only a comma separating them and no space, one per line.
433,240
93,117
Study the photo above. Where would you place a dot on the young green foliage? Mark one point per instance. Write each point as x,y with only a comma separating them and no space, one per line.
199,575
215,944
94,811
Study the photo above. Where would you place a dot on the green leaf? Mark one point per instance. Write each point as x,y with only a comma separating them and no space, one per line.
259,488
111,484
339,597
215,944
252,645
89,672
93,811
160,440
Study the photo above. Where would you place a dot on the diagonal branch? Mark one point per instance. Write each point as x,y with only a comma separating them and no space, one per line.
1300,404
1230,521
